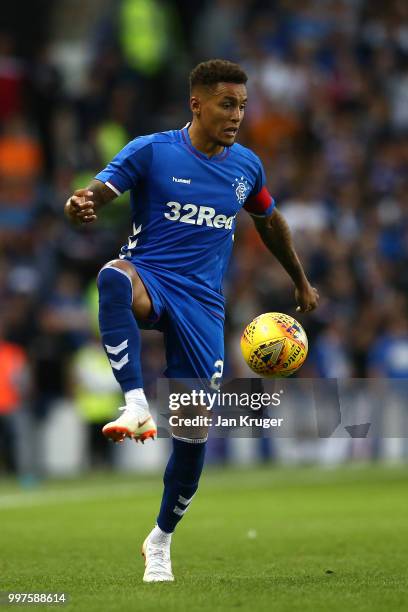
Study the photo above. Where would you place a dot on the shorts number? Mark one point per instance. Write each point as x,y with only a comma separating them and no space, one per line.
217,376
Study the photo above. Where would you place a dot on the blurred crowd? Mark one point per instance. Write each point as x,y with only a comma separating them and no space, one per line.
327,114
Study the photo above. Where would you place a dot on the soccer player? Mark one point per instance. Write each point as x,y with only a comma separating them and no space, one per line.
187,187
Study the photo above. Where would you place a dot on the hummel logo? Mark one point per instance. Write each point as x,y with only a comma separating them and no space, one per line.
180,180
133,243
115,350
118,365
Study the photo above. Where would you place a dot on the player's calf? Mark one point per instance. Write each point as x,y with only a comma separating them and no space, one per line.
121,340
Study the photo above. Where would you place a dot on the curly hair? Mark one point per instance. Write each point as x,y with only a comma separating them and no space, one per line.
217,71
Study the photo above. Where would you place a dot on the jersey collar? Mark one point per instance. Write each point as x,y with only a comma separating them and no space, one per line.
215,158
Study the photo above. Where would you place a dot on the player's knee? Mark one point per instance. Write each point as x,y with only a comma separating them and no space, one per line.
114,286
110,276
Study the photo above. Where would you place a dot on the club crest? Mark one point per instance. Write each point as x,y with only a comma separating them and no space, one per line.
241,189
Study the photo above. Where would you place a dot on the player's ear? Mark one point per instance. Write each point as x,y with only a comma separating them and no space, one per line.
195,105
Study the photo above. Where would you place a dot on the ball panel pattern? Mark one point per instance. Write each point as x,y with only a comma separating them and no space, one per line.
274,344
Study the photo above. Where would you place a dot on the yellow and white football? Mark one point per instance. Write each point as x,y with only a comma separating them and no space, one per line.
274,345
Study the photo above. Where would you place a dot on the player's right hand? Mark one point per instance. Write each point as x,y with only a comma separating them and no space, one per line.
80,208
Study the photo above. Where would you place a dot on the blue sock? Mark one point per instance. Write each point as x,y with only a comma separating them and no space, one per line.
119,330
181,478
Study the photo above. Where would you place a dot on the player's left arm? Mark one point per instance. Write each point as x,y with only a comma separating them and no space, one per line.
276,235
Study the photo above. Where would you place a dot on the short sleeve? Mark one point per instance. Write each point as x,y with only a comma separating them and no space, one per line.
260,202
129,166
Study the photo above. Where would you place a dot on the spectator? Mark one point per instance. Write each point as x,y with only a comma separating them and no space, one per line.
96,395
14,393
327,113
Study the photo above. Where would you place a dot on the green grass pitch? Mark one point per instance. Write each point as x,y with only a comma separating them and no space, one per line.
282,539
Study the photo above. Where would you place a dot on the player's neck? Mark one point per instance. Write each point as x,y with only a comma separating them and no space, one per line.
200,141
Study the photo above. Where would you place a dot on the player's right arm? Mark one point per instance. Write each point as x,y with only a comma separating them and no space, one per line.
83,205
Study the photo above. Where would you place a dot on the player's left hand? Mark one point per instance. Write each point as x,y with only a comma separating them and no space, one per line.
306,297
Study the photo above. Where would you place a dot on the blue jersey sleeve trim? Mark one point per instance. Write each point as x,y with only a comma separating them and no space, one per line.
114,189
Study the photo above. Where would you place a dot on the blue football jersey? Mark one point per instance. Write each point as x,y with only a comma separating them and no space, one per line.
184,204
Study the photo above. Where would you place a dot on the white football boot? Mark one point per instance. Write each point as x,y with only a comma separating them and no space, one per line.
157,559
135,423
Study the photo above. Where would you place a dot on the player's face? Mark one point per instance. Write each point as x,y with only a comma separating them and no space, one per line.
221,111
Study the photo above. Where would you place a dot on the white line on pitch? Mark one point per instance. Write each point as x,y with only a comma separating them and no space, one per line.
60,496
